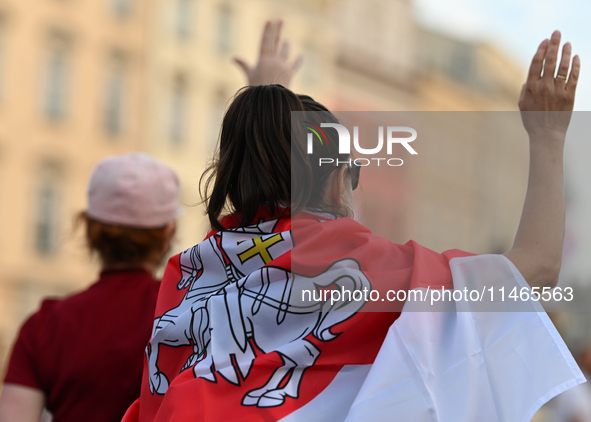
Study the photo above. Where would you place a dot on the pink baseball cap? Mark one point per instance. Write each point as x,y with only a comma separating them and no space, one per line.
133,190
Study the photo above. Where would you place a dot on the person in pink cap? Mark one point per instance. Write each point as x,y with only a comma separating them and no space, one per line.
81,357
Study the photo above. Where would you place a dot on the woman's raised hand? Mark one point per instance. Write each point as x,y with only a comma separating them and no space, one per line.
546,105
274,66
545,92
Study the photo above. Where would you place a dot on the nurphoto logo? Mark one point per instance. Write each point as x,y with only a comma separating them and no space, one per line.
345,143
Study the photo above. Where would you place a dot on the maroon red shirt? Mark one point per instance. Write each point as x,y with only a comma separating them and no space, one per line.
85,352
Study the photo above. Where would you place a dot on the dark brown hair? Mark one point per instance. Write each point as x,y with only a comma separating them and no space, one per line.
257,165
118,245
317,180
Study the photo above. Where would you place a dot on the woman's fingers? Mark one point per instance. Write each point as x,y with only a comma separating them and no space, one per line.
562,73
571,84
245,67
273,65
535,69
267,40
278,26
521,96
285,49
551,57
547,92
271,37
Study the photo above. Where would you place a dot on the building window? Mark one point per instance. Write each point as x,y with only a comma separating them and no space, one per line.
225,29
183,18
115,95
121,8
47,213
178,110
56,78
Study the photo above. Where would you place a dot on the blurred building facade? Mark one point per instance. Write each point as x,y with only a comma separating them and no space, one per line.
71,82
466,192
470,186
80,80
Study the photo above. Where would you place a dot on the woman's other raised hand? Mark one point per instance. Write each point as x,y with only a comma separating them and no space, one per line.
274,65
543,91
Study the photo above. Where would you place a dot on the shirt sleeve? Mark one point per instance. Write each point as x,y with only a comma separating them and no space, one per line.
24,360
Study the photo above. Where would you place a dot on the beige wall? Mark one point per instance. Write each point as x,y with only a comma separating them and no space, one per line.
376,59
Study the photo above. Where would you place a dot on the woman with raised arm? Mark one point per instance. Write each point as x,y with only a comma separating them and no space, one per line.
546,103
270,317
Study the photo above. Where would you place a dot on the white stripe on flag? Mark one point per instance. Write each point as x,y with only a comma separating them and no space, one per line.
468,366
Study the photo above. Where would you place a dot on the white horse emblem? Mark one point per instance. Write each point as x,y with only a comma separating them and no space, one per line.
234,299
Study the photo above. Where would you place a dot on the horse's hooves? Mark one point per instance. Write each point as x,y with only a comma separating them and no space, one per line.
271,399
161,384
249,400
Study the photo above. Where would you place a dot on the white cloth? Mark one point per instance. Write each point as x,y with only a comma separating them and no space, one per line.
464,366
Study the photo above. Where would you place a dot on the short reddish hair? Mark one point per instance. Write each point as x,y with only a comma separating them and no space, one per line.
124,245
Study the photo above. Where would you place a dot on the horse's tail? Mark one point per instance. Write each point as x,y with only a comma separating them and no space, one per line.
353,289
